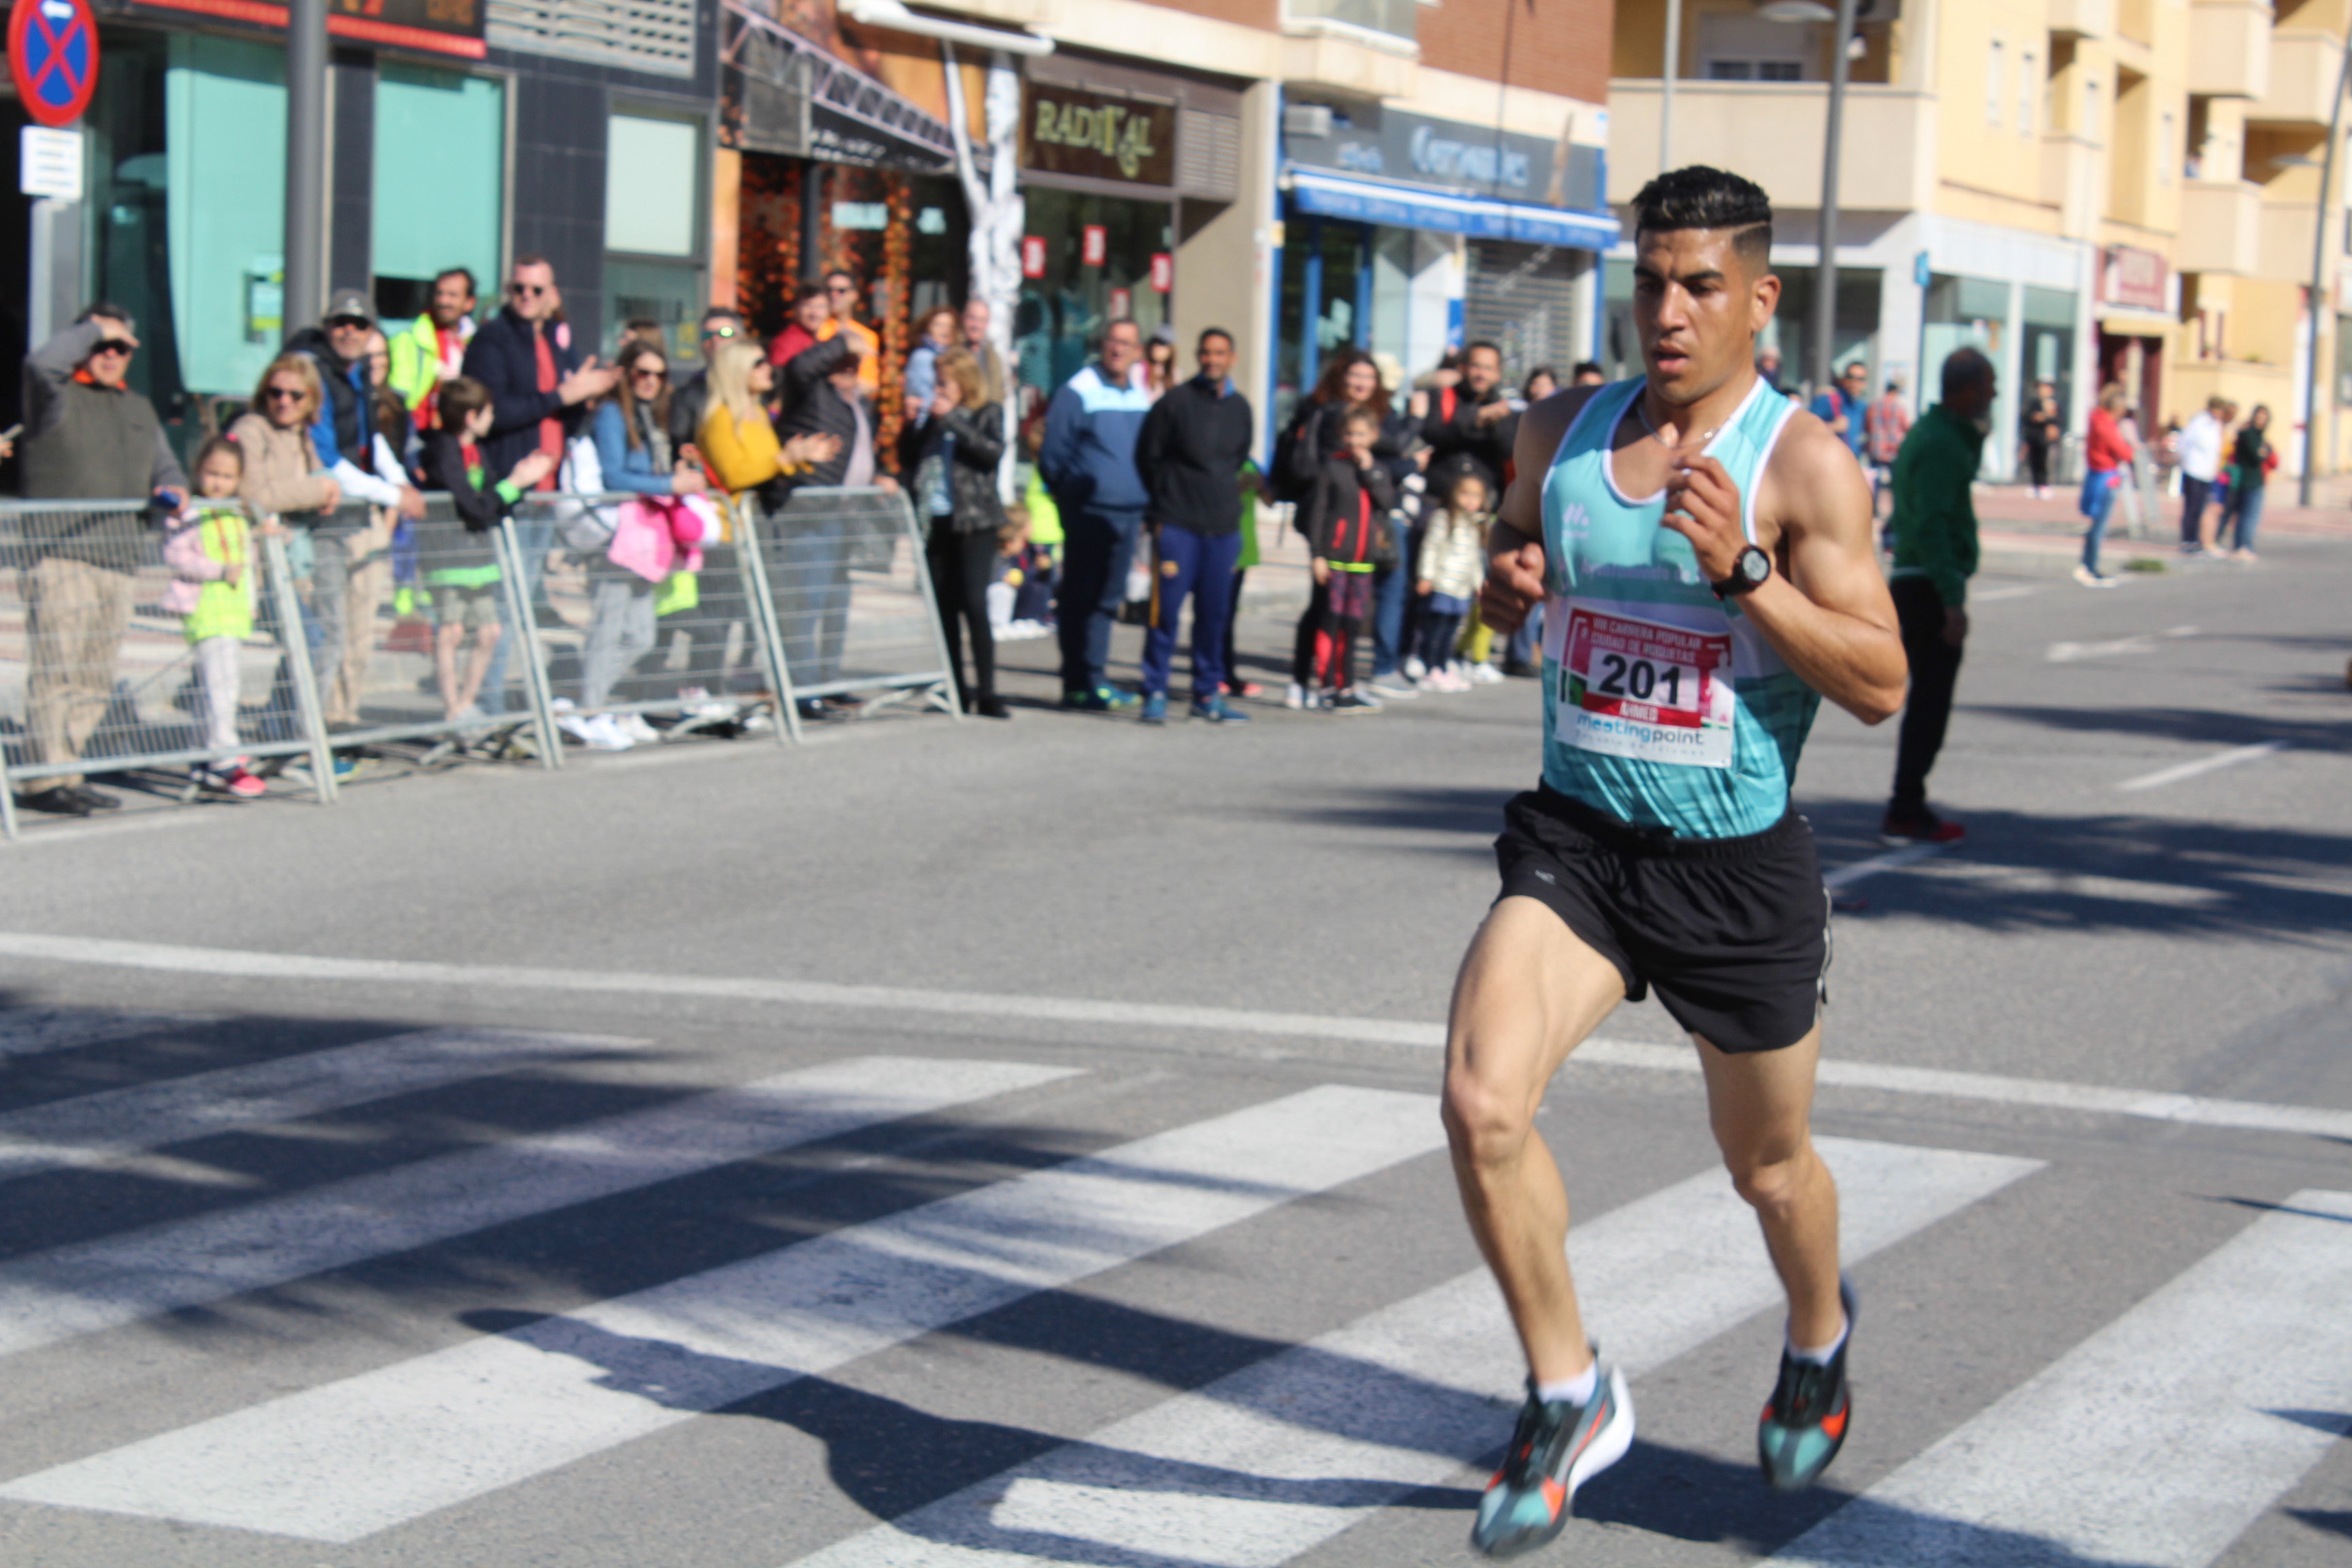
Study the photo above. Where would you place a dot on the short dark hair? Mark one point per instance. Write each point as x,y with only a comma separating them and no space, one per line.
213,444
1588,367
1208,332
107,308
459,396
719,313
1964,368
1129,322
529,258
808,292
473,289
1471,348
1701,197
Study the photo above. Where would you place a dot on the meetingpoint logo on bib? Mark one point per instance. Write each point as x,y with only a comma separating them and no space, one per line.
1637,689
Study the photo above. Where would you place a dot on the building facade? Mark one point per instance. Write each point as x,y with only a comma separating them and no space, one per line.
2087,190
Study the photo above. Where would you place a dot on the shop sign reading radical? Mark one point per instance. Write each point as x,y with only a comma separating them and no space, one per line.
1069,130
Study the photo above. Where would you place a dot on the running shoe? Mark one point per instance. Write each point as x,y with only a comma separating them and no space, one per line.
1244,689
1297,696
1101,700
1394,687
1215,710
1919,826
1557,1449
1352,701
1804,1422
1484,675
1155,708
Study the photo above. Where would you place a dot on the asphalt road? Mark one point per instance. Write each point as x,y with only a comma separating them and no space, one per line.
1016,1142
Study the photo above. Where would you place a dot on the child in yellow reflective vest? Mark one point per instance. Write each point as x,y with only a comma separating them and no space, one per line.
210,552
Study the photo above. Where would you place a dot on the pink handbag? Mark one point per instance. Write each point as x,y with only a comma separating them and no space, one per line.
642,542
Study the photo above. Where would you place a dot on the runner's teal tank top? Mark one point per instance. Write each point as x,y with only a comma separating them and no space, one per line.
1663,705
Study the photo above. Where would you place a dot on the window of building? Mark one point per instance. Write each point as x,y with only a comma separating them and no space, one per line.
1996,79
637,35
2167,147
1756,49
225,151
439,197
653,226
2029,83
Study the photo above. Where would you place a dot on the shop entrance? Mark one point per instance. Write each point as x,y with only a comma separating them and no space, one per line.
1066,309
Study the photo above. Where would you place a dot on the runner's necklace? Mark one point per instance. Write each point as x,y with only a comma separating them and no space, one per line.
1641,411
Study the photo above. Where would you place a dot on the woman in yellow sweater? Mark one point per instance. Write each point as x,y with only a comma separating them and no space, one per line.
739,446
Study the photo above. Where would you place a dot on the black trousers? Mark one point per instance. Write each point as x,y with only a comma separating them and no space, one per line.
961,563
1935,672
2037,463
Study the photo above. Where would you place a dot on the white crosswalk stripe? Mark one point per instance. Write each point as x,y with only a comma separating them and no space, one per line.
342,1461
2156,1441
93,1128
1266,1464
119,1279
34,1031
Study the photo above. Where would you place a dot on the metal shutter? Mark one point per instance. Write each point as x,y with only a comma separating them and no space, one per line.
654,36
1208,155
1522,298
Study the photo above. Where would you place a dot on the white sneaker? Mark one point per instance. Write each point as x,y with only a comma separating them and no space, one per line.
605,734
1484,675
561,706
579,729
634,727
1395,686
2090,579
1445,680
1296,696
1413,669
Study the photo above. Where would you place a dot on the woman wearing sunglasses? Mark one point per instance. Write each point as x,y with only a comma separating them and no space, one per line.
282,474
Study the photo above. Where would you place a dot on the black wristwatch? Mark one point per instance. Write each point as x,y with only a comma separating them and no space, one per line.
1748,574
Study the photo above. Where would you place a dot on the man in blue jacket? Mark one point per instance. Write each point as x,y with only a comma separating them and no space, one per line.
1088,464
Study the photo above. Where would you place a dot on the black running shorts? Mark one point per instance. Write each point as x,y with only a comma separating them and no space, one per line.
1733,933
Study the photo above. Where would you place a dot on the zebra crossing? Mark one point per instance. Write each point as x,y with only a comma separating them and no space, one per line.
2159,1439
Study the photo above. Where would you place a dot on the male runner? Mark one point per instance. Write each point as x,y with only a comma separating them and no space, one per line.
1688,640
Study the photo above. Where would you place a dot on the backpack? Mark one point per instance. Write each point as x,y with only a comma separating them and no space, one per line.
1292,476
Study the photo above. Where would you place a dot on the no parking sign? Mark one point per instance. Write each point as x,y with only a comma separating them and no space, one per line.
53,55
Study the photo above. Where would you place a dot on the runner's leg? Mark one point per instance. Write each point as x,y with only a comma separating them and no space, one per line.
1529,993
1760,1106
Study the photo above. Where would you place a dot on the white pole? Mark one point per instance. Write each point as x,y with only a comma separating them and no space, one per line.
1666,97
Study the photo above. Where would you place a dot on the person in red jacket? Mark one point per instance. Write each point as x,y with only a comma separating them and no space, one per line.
2108,453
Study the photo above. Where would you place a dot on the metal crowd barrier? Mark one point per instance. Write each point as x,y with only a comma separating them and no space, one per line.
420,627
493,645
98,676
694,649
853,603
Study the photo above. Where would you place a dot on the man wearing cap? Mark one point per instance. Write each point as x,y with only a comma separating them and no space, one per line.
362,463
87,435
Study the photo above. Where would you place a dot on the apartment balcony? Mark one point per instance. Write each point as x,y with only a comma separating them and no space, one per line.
2286,242
2228,48
2221,227
1771,132
1364,47
2071,180
2305,74
2081,18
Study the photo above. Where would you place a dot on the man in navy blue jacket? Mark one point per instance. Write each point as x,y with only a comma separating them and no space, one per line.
1088,464
537,378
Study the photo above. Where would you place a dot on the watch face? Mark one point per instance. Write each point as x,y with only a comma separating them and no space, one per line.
1754,565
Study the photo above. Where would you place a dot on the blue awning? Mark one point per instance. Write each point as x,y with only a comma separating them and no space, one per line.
1448,212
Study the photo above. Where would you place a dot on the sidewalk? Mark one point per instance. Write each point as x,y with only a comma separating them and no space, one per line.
2019,536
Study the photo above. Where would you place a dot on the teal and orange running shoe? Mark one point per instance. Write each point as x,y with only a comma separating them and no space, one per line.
1804,1422
1557,1449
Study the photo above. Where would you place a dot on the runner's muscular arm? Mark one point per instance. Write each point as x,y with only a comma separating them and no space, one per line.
1825,609
1515,553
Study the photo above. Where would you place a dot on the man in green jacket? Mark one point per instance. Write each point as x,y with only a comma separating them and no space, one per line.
1934,533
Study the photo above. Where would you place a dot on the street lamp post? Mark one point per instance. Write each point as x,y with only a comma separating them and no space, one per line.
2319,229
1666,91
305,287
1824,321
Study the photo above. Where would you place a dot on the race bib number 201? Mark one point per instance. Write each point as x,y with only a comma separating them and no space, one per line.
1635,688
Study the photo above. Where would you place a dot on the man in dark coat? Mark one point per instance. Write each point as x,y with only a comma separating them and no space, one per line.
1471,425
1189,453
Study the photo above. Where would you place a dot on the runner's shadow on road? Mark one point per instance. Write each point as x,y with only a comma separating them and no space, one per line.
2191,726
2024,872
1473,816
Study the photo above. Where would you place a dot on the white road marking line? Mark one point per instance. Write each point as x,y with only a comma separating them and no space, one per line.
2067,652
1995,595
1893,860
33,1031
2229,759
345,1461
2156,1441
1273,1460
1989,1088
29,834
118,1280
92,1128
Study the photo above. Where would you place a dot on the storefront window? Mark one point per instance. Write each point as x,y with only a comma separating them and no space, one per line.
2046,345
653,228
224,103
1339,291
440,194
131,257
1063,311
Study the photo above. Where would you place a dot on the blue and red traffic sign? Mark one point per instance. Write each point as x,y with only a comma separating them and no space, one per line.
53,55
